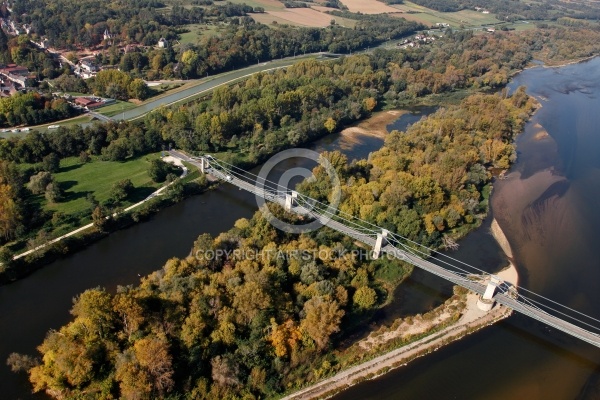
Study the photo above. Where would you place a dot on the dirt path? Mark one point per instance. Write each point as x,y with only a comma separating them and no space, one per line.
471,320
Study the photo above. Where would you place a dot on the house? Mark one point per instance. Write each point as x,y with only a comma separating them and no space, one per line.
7,88
14,69
16,74
107,35
490,30
162,43
89,66
88,103
18,79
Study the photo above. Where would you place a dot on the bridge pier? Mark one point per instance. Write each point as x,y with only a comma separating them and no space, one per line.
203,165
289,200
486,302
379,243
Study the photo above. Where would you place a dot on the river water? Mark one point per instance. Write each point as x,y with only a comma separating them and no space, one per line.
39,302
548,209
517,358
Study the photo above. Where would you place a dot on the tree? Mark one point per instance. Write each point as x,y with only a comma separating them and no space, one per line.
38,182
51,162
158,170
20,362
99,219
370,103
153,355
53,193
330,124
93,308
84,157
138,89
122,190
364,297
322,318
9,212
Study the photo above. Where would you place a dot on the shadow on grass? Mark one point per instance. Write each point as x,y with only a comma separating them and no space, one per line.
66,185
70,196
140,193
70,168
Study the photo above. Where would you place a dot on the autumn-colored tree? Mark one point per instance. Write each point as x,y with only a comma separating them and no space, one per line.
322,319
364,297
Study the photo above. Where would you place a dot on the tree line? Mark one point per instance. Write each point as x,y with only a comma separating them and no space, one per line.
32,159
507,10
255,311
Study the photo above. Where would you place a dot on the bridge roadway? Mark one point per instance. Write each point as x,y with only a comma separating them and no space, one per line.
505,298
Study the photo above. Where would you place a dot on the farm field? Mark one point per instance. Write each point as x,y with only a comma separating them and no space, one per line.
468,18
309,17
304,16
368,6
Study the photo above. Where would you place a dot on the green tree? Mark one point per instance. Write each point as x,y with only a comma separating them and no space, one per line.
158,170
51,162
38,182
138,89
53,193
121,190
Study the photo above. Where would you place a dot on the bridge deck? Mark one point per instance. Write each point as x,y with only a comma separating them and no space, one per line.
477,287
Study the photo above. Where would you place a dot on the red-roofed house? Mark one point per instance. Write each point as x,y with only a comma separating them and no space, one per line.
88,103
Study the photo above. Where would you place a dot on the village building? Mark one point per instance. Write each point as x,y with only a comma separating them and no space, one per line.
88,103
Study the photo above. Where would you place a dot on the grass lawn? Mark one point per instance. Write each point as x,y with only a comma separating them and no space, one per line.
196,31
115,108
97,177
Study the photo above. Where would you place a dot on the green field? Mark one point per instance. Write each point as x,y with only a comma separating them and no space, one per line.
115,108
468,18
97,177
196,31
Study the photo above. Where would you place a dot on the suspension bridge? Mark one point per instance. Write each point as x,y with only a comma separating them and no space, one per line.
490,288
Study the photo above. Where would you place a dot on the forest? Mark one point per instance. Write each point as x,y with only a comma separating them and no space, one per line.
247,122
247,43
266,315
255,311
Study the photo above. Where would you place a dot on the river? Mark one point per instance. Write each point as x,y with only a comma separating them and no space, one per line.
547,208
33,305
517,358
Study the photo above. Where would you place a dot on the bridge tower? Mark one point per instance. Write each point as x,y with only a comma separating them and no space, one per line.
379,243
289,200
486,302
203,165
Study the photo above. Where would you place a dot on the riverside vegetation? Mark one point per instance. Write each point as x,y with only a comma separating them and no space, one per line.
249,121
233,327
240,326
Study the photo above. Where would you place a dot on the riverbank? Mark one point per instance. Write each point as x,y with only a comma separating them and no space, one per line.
31,260
471,320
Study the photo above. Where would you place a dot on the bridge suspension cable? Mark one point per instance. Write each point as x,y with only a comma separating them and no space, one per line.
464,271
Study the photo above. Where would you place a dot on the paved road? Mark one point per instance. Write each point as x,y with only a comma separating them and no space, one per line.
206,85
